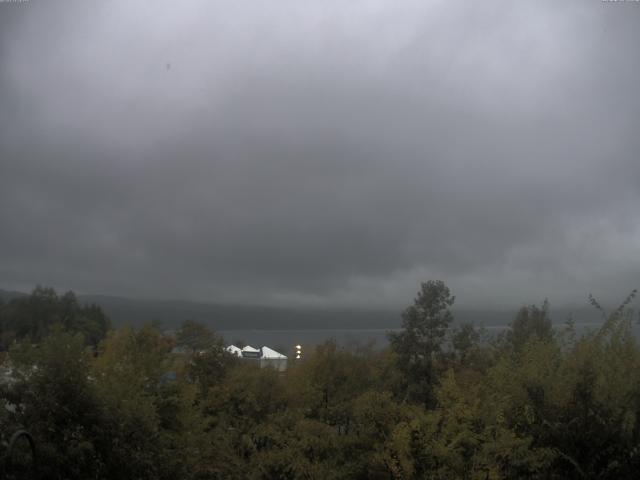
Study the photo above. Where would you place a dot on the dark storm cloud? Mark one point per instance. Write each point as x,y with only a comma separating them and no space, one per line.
317,152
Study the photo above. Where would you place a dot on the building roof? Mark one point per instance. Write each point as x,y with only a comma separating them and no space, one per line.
233,350
265,352
270,353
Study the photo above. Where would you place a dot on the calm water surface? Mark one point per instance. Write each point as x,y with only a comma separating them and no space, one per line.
285,340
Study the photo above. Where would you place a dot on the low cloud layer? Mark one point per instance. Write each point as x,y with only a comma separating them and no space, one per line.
321,153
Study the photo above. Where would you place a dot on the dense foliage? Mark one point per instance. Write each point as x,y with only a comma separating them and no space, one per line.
32,317
443,402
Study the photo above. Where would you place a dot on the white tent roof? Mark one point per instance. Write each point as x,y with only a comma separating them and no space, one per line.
249,348
269,353
232,349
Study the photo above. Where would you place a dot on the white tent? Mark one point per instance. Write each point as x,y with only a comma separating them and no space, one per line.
268,353
250,352
233,350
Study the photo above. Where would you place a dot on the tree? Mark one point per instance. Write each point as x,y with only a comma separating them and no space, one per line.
420,342
55,400
195,336
35,315
336,377
128,377
207,368
531,321
464,340
207,361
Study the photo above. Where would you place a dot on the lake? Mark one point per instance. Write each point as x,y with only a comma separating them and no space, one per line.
284,340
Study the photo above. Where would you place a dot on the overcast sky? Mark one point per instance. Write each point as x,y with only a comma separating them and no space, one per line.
321,152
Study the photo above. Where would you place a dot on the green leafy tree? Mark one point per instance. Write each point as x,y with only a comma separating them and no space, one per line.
530,322
419,345
54,399
465,342
128,375
334,377
195,336
34,316
207,368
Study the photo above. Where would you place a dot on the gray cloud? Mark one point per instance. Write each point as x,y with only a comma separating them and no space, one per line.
321,153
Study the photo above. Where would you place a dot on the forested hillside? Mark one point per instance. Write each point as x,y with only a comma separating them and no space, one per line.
442,402
170,314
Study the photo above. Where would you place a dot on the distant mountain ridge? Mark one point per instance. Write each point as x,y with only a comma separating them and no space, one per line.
170,313
6,295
